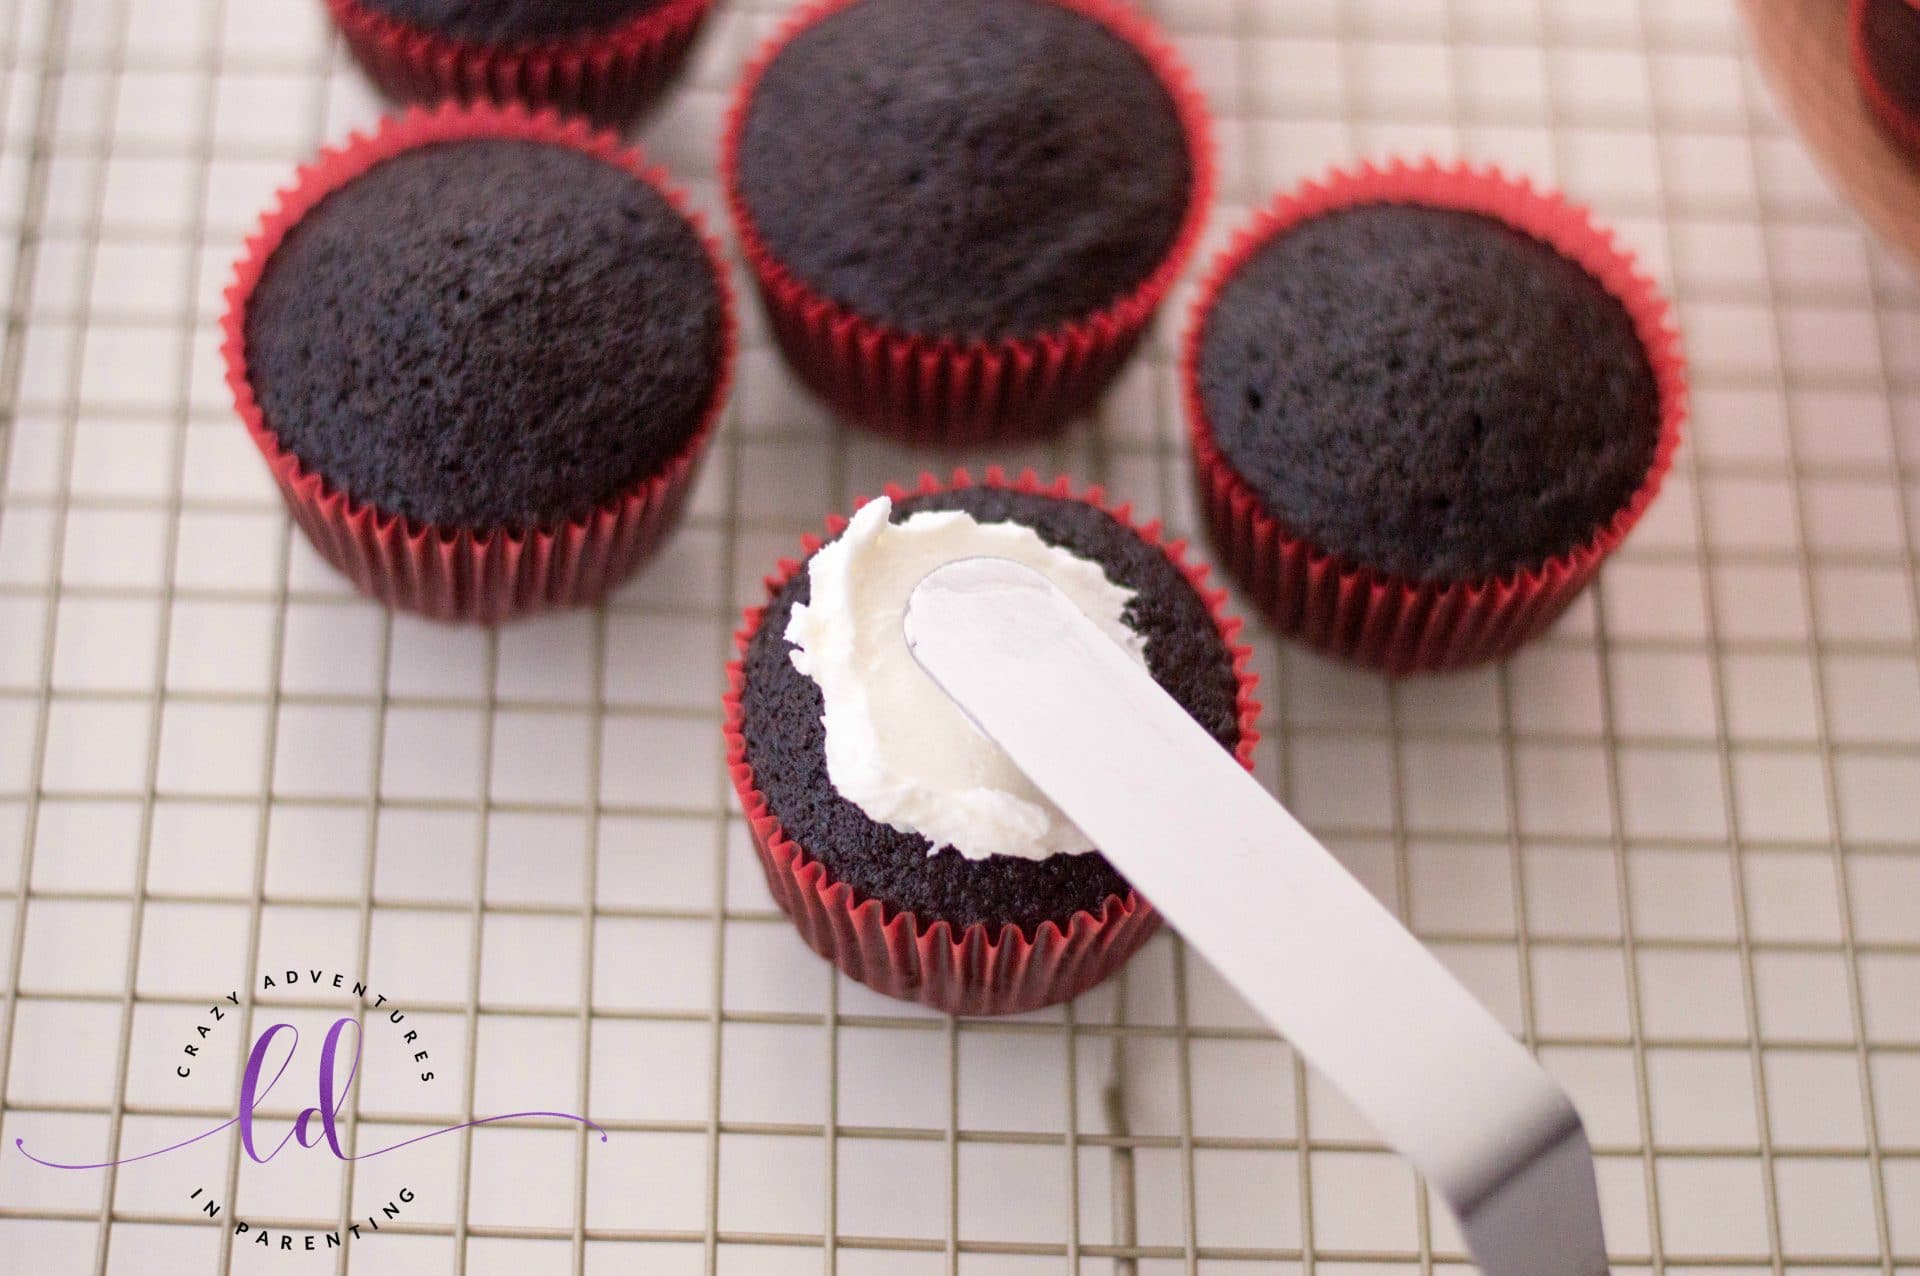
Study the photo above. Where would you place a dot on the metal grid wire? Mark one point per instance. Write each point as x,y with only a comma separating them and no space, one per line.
1676,844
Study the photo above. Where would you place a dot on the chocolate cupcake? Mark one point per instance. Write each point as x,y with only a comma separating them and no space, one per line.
482,352
511,21
604,58
921,861
1885,40
955,239
1425,404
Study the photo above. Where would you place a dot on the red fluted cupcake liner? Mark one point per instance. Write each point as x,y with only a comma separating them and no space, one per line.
1899,123
473,574
980,970
609,75
1387,621
941,390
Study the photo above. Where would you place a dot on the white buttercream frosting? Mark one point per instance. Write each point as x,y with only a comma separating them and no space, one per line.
896,746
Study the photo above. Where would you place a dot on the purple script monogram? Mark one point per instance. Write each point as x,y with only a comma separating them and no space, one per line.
252,1094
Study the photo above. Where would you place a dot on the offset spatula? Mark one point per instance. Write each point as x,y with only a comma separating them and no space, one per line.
1271,908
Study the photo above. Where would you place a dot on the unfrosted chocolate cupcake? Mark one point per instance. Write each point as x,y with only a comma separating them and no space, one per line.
608,59
958,167
948,178
505,21
1885,36
962,929
1428,391
482,352
1426,403
487,334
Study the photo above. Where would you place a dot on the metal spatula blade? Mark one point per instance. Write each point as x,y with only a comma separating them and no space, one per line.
1249,888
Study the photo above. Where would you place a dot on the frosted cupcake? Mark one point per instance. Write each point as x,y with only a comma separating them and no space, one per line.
906,847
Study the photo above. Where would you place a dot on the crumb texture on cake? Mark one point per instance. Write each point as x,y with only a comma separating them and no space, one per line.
786,742
487,333
489,20
1892,30
1428,392
965,168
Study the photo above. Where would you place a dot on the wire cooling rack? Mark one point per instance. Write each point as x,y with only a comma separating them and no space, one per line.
1676,845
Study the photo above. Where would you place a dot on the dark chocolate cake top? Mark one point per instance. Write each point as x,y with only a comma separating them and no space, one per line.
786,743
505,20
1428,392
965,168
487,333
1892,29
